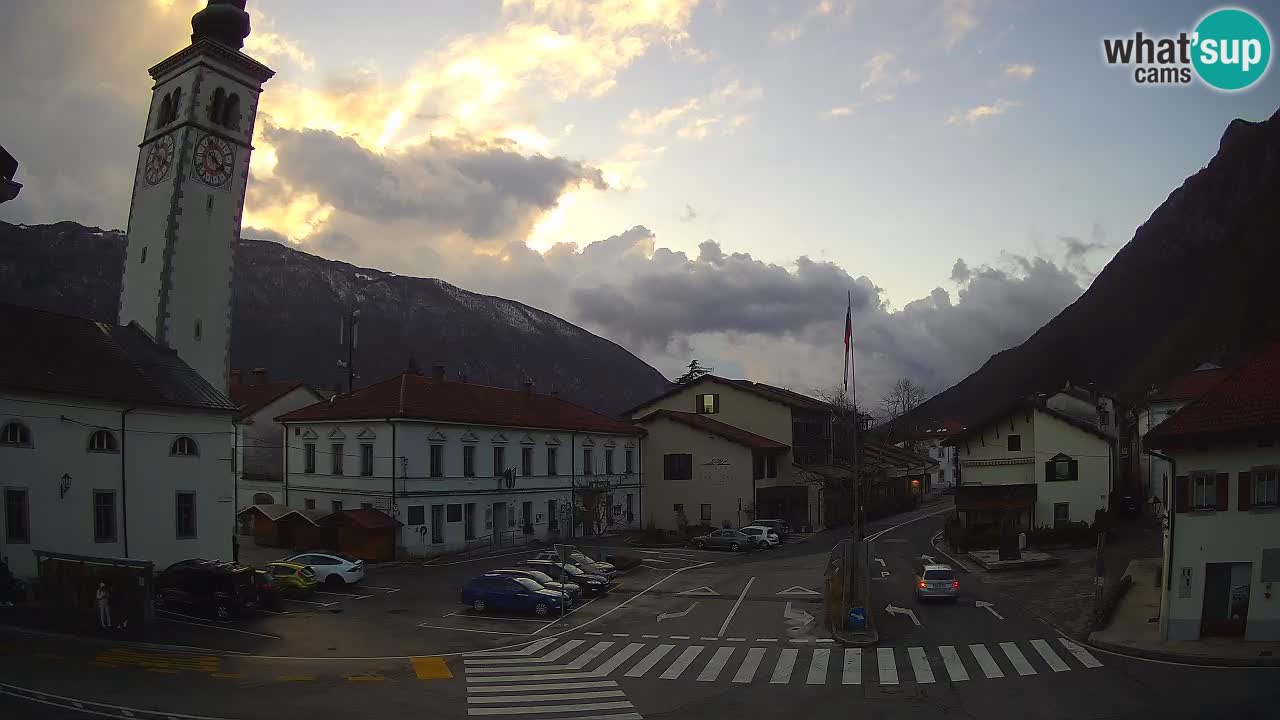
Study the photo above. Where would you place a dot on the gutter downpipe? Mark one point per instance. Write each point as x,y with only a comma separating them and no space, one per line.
124,484
395,547
285,428
1170,511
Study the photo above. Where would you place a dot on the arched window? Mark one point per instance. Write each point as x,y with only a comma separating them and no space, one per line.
173,109
162,117
199,330
184,446
102,441
15,433
215,107
231,113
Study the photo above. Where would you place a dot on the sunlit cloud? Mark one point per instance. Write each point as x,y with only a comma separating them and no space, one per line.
841,111
1019,71
820,12
974,115
718,112
885,75
959,18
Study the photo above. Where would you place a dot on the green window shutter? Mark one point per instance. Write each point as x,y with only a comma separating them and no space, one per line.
1075,470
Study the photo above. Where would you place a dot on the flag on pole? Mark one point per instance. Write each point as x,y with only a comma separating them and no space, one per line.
848,341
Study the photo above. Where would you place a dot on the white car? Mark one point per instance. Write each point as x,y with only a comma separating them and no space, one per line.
332,568
767,537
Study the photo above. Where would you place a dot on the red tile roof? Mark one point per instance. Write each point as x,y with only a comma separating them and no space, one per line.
249,398
74,356
368,519
715,427
768,392
1243,406
412,395
891,456
1190,386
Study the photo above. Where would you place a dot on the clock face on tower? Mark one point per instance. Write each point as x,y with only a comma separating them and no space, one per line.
159,160
214,158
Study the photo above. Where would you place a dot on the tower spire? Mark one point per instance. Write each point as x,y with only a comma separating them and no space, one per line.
222,21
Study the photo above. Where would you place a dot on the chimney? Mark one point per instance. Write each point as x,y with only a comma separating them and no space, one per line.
555,393
528,387
462,378
235,377
259,376
437,373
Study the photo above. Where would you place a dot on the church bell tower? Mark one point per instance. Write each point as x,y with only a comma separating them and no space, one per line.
188,191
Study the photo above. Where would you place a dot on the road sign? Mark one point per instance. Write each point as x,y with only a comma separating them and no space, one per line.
857,618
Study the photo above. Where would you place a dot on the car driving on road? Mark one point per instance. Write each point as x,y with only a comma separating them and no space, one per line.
731,540
937,581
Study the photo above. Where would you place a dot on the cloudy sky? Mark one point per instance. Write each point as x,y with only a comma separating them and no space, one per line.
686,178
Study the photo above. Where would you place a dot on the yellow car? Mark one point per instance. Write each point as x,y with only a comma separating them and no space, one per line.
292,578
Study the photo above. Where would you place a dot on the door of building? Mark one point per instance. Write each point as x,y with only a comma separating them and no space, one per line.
1226,599
437,523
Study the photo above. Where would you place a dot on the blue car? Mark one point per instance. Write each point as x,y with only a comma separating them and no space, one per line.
510,593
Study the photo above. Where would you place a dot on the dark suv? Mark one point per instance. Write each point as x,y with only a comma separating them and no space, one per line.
217,588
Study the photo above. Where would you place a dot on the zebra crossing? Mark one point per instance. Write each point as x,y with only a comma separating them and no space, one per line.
559,664
530,686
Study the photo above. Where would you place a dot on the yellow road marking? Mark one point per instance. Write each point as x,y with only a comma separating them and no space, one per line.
226,675
166,671
365,678
295,678
50,656
431,668
99,663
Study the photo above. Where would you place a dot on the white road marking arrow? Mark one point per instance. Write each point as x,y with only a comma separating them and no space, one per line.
987,605
664,616
801,616
928,559
797,590
894,610
704,590
881,561
884,573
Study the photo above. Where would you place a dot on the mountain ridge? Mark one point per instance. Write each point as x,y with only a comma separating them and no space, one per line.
286,305
1189,287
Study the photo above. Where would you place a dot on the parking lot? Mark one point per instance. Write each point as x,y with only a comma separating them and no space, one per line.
406,609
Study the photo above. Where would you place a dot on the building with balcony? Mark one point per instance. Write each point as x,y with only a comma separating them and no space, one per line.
1043,459
462,465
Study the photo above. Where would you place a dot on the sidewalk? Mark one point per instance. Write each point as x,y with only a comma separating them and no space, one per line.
1133,632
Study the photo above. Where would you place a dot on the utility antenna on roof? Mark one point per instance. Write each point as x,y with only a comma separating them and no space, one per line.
349,339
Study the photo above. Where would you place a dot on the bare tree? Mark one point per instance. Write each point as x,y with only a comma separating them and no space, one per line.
902,398
839,399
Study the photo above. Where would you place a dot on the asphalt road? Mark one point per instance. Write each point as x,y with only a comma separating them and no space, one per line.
688,635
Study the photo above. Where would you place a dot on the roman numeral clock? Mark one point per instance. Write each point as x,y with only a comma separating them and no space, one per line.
213,161
188,193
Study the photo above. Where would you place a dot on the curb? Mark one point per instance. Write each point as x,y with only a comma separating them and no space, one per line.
1180,659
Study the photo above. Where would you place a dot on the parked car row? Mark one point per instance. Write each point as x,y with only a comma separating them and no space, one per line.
544,585
225,590
746,539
